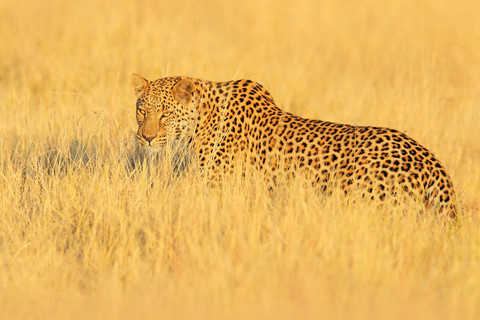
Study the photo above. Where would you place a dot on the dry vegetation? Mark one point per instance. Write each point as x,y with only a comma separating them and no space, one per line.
91,227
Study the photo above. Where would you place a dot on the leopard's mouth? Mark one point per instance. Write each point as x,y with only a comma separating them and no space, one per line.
160,143
153,144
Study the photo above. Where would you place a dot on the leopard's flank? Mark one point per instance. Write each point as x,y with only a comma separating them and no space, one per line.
224,123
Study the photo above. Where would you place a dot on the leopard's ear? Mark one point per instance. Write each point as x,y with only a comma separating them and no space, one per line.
184,91
139,83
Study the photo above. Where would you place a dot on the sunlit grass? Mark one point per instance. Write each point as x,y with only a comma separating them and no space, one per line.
93,226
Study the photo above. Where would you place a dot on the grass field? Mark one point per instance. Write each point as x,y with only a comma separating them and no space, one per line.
90,227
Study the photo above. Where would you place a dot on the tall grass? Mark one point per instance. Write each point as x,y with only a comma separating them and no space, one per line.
92,226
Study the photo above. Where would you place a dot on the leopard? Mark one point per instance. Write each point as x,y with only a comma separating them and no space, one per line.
238,121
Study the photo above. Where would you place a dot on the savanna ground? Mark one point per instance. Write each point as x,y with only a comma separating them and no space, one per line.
92,227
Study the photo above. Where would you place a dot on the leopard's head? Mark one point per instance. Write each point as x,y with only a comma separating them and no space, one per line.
166,110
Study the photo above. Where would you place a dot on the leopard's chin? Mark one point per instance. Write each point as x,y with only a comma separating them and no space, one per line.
154,146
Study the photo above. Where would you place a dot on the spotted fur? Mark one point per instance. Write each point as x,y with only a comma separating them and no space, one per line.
223,122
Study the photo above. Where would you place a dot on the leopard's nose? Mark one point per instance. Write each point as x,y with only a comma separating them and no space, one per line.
148,138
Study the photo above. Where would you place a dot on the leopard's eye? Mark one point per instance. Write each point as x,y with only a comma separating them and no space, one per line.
166,114
142,111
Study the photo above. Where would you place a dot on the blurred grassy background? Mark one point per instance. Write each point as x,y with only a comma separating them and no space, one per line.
91,227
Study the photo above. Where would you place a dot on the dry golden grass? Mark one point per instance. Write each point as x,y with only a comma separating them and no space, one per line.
92,228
